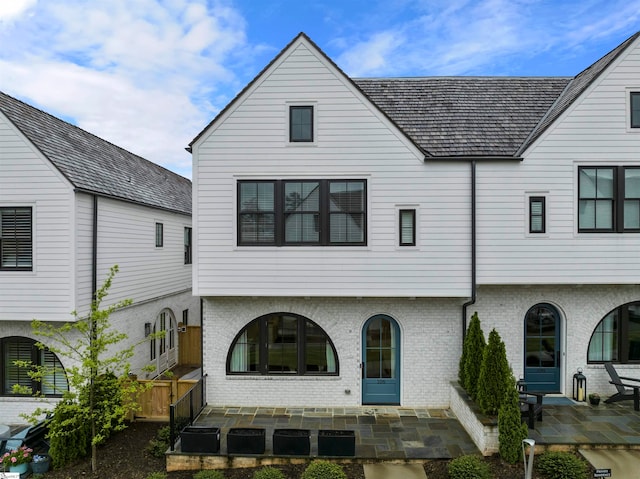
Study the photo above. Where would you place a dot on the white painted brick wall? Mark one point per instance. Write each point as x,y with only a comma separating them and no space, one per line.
128,320
581,308
430,348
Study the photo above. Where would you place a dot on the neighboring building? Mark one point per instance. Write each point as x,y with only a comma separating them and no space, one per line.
347,229
71,206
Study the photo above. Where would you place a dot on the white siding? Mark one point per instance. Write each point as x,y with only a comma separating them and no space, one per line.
27,179
353,141
592,132
126,237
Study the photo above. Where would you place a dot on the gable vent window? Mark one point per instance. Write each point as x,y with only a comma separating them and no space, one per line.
537,214
635,109
301,124
407,227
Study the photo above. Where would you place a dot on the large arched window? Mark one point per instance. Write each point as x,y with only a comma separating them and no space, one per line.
282,343
17,348
617,337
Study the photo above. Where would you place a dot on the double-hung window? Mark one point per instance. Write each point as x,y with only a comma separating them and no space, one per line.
536,214
16,244
609,199
302,212
635,109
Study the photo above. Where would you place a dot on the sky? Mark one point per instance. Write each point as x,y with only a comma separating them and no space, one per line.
149,75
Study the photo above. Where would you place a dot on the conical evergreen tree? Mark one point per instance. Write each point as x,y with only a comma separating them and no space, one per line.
511,429
495,375
472,354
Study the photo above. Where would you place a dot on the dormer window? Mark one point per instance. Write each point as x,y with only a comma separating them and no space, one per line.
635,109
301,124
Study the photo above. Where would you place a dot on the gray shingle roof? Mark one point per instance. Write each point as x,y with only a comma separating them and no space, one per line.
465,116
94,165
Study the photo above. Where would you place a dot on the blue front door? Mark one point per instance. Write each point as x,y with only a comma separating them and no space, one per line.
542,349
381,361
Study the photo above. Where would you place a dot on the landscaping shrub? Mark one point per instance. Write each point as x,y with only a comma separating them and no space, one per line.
468,467
208,474
511,429
495,375
268,473
561,465
319,469
158,445
69,434
471,359
156,475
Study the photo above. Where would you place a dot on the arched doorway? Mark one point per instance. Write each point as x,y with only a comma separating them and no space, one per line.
164,351
381,361
542,348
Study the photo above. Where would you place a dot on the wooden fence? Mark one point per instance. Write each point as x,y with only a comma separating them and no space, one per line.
155,401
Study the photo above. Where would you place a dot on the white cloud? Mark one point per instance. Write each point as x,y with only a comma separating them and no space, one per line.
12,9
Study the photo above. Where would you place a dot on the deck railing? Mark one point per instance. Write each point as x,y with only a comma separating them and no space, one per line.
185,410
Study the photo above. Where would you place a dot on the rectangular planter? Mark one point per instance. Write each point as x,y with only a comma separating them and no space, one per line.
245,440
291,442
201,439
333,442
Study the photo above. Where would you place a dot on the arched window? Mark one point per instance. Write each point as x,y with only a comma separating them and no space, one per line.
17,348
282,343
617,337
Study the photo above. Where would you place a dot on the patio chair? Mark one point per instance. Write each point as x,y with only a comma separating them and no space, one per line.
626,391
530,407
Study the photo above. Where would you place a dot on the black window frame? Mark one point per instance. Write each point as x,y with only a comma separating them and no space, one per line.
188,245
278,211
542,215
23,247
620,319
634,113
411,212
263,353
35,356
308,135
617,200
159,234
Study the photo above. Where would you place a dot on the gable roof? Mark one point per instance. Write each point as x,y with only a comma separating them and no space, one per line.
465,116
94,165
460,117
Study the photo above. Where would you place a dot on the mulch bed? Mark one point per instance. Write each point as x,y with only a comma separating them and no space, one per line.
124,456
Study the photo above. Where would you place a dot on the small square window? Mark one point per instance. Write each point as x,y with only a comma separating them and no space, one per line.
537,214
407,227
188,250
301,124
635,109
159,235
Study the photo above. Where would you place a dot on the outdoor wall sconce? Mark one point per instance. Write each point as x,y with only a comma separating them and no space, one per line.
147,329
579,386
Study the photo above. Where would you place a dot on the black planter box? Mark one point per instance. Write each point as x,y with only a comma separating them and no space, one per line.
336,443
245,440
200,439
291,442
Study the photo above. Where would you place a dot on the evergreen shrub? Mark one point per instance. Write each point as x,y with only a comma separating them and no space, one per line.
320,469
468,467
495,375
471,359
268,472
561,465
511,429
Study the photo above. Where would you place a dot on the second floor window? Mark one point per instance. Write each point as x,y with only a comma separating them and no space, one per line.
188,254
305,212
159,235
301,124
16,249
407,227
635,109
609,199
537,214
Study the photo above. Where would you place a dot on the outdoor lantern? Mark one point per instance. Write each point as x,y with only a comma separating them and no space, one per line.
579,386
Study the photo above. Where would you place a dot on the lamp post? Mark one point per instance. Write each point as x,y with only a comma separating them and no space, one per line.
528,464
579,386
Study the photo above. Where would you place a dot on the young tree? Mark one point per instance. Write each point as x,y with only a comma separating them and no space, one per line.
511,429
100,391
471,359
495,372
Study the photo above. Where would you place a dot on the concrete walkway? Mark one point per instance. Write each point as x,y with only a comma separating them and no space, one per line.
394,471
624,464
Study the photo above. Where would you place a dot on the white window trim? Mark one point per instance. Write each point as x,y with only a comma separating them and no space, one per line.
627,101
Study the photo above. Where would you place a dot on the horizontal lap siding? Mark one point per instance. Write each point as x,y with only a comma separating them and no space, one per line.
126,237
352,141
27,179
592,132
